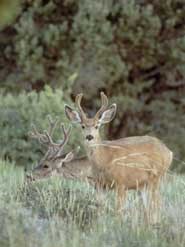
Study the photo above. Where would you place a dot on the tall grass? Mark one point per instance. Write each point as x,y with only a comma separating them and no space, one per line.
56,212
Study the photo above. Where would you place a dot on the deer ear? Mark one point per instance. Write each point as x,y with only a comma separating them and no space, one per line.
72,115
68,157
108,115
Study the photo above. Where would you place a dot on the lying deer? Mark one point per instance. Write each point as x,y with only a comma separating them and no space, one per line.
129,163
55,162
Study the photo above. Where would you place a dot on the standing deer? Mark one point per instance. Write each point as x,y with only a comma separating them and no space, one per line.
55,162
137,162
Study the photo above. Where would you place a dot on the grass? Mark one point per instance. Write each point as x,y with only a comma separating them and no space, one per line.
57,213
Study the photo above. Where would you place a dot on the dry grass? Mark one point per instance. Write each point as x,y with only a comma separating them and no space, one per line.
57,213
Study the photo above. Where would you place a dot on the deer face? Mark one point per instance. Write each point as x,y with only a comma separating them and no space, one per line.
54,158
90,126
50,166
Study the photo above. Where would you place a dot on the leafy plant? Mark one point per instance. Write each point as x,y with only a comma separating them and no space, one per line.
19,112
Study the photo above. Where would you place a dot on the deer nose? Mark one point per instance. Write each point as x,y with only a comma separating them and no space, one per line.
89,137
30,178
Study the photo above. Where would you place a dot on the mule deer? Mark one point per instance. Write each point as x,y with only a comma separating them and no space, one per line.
55,162
129,163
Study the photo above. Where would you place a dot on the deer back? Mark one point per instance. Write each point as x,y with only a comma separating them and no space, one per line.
131,161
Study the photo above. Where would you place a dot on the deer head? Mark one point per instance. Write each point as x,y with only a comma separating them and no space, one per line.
54,157
91,126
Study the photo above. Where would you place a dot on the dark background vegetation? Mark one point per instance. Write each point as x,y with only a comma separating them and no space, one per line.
133,50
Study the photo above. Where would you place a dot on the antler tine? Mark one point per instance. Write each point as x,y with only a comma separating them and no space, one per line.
104,104
49,138
78,100
66,134
46,137
35,134
66,137
52,124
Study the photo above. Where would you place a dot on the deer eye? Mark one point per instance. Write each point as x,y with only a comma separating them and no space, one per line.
83,126
46,166
96,127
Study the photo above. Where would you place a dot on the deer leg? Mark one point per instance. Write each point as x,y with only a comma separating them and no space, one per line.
153,202
144,198
121,195
100,193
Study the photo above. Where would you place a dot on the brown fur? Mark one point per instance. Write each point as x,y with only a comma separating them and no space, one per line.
77,169
129,163
55,162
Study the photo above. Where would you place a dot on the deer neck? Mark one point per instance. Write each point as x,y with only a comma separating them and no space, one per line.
94,149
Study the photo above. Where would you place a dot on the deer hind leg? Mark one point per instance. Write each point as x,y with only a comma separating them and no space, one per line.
154,202
144,197
121,195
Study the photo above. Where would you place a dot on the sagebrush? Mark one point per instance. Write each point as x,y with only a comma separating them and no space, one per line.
132,50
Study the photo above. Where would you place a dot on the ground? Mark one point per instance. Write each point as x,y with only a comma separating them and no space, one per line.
57,212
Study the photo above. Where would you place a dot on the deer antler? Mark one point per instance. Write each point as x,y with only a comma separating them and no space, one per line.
46,137
66,134
65,140
104,105
78,100
39,136
53,124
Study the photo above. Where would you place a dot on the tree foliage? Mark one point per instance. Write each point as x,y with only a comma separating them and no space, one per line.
134,50
9,9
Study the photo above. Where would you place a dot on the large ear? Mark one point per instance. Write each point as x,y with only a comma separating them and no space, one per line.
108,115
72,115
68,157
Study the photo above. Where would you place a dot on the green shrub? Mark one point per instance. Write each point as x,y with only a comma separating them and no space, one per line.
9,9
18,113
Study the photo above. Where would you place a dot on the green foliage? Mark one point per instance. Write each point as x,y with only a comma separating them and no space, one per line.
109,45
9,9
18,113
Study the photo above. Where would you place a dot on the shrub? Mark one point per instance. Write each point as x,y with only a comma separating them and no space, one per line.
18,112
9,9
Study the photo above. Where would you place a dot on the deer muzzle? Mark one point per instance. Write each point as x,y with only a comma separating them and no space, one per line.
89,137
